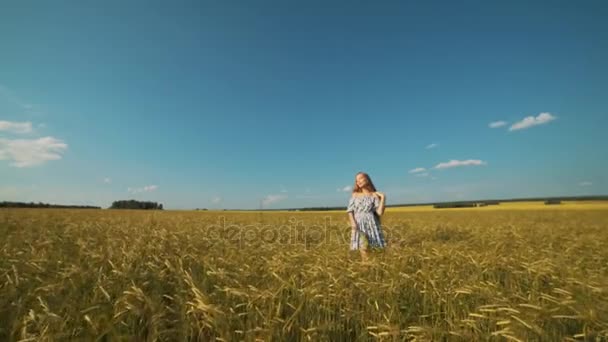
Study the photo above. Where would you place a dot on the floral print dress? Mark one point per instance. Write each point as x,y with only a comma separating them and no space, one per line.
368,224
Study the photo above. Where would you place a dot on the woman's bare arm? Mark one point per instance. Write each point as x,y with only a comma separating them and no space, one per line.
380,209
351,218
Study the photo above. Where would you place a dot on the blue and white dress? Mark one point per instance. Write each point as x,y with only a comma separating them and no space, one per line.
368,224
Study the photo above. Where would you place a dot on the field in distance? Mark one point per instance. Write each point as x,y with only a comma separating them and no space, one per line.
523,205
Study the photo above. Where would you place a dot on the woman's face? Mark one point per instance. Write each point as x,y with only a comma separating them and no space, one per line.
361,180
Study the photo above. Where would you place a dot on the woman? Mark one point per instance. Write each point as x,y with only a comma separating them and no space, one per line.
364,210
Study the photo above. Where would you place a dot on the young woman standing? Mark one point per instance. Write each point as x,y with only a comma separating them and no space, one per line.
365,207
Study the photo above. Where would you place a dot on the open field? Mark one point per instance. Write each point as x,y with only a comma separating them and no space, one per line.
510,272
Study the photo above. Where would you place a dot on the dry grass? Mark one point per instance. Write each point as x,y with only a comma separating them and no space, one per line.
458,275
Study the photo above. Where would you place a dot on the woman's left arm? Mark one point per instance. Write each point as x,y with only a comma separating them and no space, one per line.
380,208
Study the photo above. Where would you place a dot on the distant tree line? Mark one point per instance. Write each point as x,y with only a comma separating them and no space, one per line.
464,204
133,204
43,205
506,200
322,208
455,205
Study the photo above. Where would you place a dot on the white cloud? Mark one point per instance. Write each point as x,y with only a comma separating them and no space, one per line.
216,200
31,152
107,180
347,188
585,183
270,199
457,163
530,121
147,188
430,146
425,174
417,170
16,127
497,124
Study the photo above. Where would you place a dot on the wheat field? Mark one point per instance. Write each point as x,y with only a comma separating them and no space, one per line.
506,273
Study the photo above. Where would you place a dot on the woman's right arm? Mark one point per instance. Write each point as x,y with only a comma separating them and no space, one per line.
351,218
350,209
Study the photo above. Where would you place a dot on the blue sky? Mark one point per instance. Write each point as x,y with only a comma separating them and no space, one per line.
279,103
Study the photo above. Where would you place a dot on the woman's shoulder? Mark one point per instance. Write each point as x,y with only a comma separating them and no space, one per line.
358,194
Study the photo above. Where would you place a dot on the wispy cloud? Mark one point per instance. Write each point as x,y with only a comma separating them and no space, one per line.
347,188
216,200
417,170
7,95
457,163
497,124
10,96
31,152
585,183
270,199
16,127
425,174
147,188
107,180
308,196
531,121
430,146
283,190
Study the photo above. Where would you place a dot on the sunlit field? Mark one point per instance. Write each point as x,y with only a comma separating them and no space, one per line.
511,272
